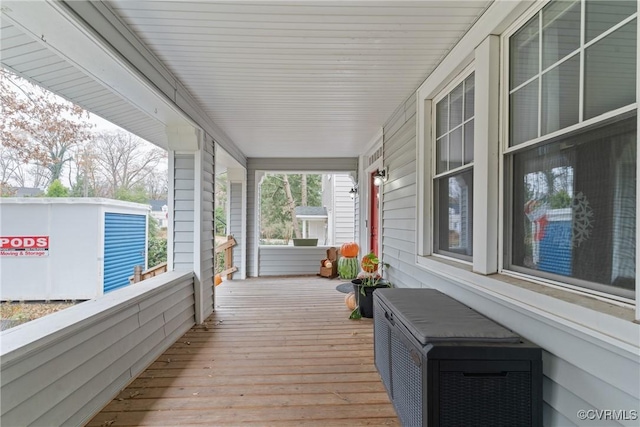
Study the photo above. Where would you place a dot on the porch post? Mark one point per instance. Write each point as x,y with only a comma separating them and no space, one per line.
186,250
237,217
486,157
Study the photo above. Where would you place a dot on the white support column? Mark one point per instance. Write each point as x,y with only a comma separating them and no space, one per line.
259,176
198,281
486,162
171,172
184,245
237,221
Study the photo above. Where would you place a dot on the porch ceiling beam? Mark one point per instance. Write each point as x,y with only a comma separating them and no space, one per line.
61,33
91,37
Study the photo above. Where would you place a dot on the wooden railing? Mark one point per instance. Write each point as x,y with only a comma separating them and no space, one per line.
139,275
227,247
229,268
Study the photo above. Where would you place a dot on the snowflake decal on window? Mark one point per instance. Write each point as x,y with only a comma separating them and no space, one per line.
582,219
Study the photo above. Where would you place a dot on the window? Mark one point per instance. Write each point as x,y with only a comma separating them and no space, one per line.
453,179
571,159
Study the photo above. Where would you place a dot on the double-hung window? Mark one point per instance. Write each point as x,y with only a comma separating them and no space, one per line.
572,141
453,178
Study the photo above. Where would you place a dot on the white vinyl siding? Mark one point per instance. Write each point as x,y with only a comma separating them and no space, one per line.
207,241
63,368
575,377
399,196
290,260
183,208
343,210
589,350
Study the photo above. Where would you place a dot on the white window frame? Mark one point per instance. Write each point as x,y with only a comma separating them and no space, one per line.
483,60
506,150
432,142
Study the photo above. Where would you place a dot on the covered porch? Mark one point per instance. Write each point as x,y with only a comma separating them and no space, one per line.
346,87
276,352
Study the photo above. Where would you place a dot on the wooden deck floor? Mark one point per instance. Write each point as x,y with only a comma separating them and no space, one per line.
277,352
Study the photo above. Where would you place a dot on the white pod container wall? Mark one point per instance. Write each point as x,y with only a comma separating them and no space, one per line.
69,248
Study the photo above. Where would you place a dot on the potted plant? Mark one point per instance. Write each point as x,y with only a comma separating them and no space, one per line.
367,282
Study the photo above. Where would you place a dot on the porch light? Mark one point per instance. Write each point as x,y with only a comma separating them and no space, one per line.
353,192
380,177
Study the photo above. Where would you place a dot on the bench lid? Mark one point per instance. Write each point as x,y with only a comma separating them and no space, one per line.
431,316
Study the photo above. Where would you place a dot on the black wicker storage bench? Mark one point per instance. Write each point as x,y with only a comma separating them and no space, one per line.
444,364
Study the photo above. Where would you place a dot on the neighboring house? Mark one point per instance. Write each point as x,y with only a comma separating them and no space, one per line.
334,222
160,212
340,208
313,221
478,96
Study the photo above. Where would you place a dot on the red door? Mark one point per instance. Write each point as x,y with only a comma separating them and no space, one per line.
374,202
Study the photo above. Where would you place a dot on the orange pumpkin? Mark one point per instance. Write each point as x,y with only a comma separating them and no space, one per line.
350,300
349,250
217,279
370,263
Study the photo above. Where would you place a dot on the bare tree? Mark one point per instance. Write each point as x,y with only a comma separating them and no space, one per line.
291,206
123,160
15,172
84,176
157,184
9,165
38,126
303,190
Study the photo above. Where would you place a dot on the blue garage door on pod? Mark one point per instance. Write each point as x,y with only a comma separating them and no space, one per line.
124,248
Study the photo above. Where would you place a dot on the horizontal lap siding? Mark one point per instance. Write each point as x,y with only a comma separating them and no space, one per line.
283,261
207,236
399,201
580,372
184,165
64,380
344,213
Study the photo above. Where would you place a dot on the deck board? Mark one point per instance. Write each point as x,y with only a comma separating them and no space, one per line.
276,352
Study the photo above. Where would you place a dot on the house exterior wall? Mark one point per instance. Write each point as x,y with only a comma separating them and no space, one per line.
590,350
370,160
398,226
582,369
343,210
63,368
74,266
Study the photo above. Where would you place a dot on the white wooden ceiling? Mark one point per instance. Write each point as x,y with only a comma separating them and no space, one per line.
292,79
